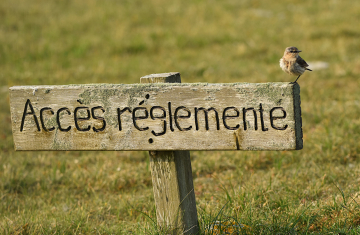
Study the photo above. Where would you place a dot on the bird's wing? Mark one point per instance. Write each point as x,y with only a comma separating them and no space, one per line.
301,62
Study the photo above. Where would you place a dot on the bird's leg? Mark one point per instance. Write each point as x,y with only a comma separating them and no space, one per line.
296,80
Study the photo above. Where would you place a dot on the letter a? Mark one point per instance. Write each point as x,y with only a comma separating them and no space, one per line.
32,112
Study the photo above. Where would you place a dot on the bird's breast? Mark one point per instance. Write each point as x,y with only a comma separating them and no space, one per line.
284,65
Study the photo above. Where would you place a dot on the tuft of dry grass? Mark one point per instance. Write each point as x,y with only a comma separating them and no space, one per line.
315,190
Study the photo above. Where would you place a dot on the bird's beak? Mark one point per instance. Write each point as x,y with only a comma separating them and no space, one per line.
298,51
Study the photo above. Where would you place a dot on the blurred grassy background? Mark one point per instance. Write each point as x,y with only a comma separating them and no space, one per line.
71,42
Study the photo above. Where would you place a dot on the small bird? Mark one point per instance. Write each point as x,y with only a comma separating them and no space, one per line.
292,63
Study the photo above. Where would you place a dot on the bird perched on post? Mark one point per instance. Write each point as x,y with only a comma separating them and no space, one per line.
292,63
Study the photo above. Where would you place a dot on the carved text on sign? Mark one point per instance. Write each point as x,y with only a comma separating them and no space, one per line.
82,114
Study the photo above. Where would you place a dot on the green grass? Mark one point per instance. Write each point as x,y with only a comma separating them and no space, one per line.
312,191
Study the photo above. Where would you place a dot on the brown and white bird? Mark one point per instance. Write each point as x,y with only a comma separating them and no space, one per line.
292,63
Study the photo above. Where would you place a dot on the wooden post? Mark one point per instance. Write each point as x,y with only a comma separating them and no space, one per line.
172,181
166,119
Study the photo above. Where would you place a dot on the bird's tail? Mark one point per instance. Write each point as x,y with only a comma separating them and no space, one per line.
308,69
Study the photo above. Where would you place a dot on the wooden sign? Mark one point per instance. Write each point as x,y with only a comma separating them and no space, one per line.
193,116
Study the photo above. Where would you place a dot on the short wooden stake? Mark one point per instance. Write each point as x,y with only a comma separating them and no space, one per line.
172,181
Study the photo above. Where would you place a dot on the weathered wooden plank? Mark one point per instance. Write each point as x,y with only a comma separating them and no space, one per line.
172,181
199,116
